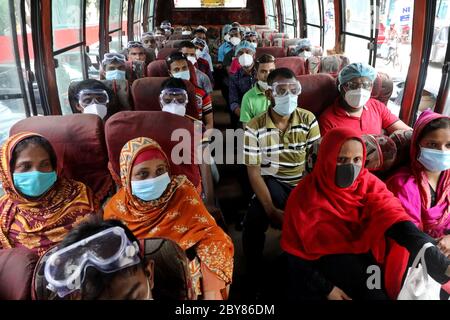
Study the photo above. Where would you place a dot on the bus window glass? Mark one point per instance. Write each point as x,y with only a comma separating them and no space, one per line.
271,16
137,25
329,25
114,45
314,35
151,9
359,55
66,27
92,39
312,12
114,14
124,22
288,18
357,17
68,70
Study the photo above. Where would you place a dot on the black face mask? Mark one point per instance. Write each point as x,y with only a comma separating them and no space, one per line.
346,174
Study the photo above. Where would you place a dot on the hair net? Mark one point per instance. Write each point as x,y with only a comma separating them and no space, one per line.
244,45
303,43
226,29
357,70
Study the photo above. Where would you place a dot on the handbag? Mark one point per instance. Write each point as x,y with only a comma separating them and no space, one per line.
418,284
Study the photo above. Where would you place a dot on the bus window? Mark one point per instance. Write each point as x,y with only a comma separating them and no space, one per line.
124,23
115,29
137,21
66,34
271,14
288,9
92,37
313,22
329,25
151,12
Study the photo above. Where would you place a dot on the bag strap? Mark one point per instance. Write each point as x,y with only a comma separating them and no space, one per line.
421,258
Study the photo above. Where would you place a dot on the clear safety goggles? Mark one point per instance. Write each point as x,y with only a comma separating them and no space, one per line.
107,251
356,85
89,96
134,44
282,88
175,95
166,25
110,57
251,34
199,42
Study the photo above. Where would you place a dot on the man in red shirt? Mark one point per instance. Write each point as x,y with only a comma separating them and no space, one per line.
354,108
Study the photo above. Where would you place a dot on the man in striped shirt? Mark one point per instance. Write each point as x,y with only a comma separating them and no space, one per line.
275,145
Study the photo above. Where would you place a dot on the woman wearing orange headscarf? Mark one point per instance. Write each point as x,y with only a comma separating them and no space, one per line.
39,207
154,204
336,224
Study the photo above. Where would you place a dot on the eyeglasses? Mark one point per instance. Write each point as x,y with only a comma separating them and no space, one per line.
89,96
173,95
109,57
356,85
134,44
282,88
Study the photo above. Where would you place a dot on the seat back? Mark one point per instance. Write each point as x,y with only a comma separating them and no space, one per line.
382,87
157,68
274,51
318,92
146,93
165,52
296,64
16,273
173,43
157,125
285,43
79,144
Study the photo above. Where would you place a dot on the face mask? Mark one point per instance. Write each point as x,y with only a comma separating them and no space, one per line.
150,189
305,54
254,44
226,38
98,109
34,183
198,53
357,98
193,60
285,105
263,85
245,60
175,108
235,41
185,75
346,174
115,75
434,160
186,33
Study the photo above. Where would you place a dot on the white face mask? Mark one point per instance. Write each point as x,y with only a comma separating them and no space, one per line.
98,109
357,98
305,54
254,44
193,60
285,105
226,38
198,53
263,85
185,75
235,41
175,108
186,33
245,60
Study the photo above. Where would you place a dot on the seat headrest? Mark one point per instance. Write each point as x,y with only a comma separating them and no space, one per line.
318,92
157,125
121,90
382,87
146,93
165,52
277,52
79,144
296,64
16,273
157,68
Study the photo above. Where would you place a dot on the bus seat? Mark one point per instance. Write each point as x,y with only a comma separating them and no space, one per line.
285,43
16,273
173,43
121,90
382,87
157,68
165,52
274,51
146,93
157,125
318,92
79,143
296,64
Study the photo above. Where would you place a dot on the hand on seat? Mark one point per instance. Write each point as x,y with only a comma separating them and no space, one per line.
276,217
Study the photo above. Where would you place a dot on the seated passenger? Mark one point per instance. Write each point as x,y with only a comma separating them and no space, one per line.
255,101
113,67
252,37
126,275
174,97
202,70
244,79
275,145
337,221
226,45
355,108
305,50
160,38
154,204
202,51
333,64
186,32
200,33
93,97
235,39
167,27
39,207
178,67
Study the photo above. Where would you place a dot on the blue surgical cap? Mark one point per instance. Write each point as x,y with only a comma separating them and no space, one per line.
357,70
226,29
244,45
303,43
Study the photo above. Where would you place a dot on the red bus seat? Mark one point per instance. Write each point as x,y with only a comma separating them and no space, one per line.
146,93
16,273
79,143
173,43
158,125
165,52
274,51
296,64
157,68
382,87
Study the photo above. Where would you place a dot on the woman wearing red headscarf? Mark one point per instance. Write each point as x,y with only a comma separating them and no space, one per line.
336,223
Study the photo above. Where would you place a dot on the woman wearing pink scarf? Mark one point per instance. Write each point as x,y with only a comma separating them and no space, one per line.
424,187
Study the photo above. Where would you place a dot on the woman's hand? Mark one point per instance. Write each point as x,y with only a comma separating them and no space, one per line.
338,294
444,245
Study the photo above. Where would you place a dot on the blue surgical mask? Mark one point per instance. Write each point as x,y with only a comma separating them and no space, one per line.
115,75
285,105
150,189
34,183
185,75
434,160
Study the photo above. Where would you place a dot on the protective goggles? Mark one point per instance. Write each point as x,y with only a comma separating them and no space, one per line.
134,44
147,34
110,57
90,96
166,25
174,95
356,85
251,34
107,251
199,42
282,88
